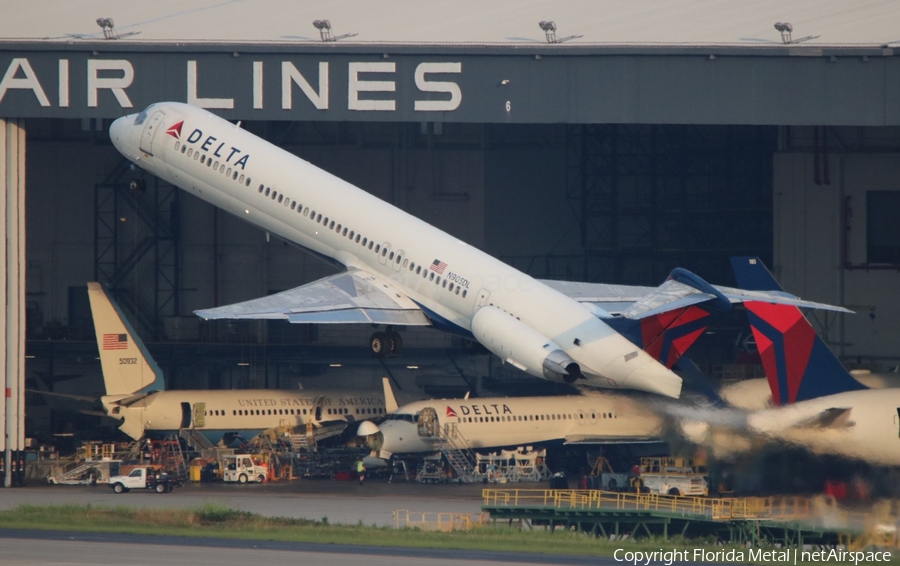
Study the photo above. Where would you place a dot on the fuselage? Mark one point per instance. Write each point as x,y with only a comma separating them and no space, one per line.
450,280
869,432
516,421
243,413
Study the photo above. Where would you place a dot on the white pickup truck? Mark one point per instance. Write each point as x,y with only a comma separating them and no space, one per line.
143,478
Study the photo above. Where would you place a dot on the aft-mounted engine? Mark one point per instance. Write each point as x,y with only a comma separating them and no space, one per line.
522,346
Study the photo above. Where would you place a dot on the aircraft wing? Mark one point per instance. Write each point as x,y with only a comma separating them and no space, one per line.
637,302
354,296
599,439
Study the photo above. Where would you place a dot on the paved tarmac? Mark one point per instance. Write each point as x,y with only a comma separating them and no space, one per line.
342,502
61,548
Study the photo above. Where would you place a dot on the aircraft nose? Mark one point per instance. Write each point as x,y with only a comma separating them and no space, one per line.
367,428
119,130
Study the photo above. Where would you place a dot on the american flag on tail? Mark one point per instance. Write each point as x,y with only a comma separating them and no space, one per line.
115,341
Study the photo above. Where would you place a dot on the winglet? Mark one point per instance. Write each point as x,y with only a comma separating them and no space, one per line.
128,368
390,402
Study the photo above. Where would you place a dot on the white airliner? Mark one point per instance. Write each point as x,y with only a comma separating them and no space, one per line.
499,422
400,271
135,393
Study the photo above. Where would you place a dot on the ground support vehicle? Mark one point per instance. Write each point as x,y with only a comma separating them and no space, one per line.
673,476
144,478
242,468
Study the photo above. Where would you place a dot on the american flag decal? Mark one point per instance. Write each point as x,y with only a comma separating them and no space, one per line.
438,266
115,341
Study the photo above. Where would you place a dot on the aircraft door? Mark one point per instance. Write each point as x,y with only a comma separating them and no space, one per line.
185,415
398,259
384,253
482,299
150,128
320,401
199,415
428,424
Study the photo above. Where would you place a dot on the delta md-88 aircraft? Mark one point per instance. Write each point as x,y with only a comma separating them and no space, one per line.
401,271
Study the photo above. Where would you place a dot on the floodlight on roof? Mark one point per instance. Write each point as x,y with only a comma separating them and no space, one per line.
109,29
324,27
785,28
549,28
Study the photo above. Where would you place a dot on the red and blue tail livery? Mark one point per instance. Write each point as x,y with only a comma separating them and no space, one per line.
798,364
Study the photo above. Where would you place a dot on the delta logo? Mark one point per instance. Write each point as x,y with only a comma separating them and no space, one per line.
215,148
451,412
175,131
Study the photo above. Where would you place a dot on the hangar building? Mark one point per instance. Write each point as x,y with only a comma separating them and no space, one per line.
596,141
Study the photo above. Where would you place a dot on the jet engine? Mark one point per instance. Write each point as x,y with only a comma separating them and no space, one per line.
522,346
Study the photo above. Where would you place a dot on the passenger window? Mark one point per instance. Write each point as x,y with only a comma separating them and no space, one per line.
235,175
466,292
183,148
293,205
418,269
241,180
305,211
451,286
177,145
268,190
325,222
190,152
209,164
331,227
228,172
378,247
457,290
280,198
197,155
384,252
319,218
444,284
202,159
248,181
216,166
345,232
431,276
392,256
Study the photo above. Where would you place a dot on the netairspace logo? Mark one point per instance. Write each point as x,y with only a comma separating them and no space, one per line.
784,556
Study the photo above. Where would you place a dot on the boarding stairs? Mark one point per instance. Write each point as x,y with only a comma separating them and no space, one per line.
455,449
195,439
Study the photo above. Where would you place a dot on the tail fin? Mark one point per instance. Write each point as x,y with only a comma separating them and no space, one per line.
390,402
665,336
798,364
128,368
753,275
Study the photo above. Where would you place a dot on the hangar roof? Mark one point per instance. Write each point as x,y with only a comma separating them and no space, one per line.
461,22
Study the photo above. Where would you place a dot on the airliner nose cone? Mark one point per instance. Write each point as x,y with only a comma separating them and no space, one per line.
118,131
367,428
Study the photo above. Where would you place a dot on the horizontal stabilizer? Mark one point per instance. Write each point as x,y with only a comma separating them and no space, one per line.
836,417
351,297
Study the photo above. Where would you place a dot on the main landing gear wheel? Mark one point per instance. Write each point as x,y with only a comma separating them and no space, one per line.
384,343
379,344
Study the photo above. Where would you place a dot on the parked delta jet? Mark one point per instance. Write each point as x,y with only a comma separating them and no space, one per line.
135,393
500,422
400,271
819,405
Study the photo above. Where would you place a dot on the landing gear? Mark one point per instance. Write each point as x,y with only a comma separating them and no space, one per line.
384,343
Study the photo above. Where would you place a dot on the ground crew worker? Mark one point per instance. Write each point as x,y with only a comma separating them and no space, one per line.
360,471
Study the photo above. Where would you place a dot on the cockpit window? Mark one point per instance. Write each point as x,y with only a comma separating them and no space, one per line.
142,117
